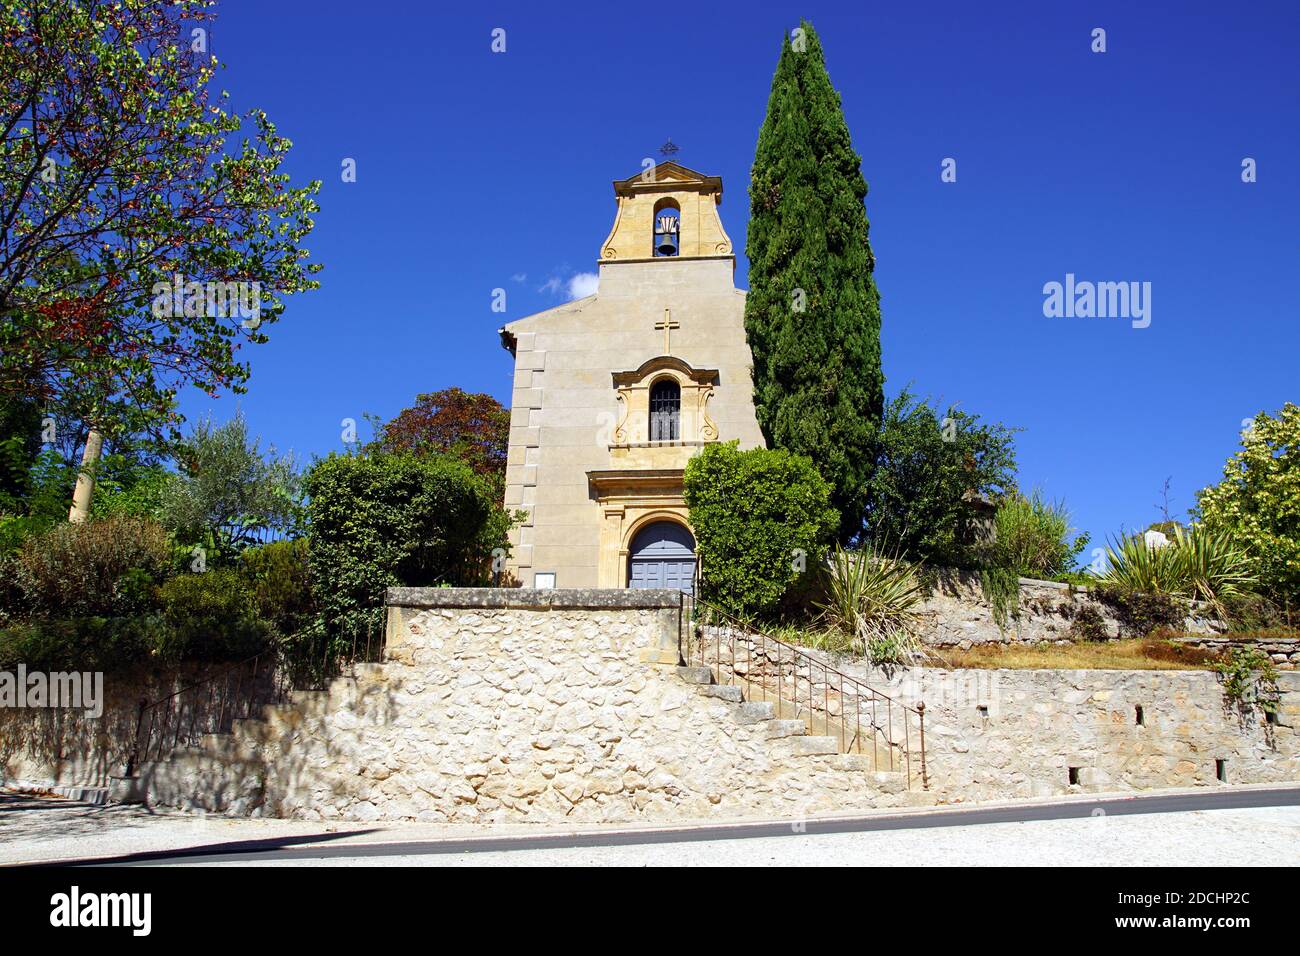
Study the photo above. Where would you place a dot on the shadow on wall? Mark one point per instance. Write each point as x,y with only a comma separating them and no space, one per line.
63,747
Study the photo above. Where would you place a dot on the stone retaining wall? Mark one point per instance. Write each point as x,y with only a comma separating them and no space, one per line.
528,706
66,748
517,706
1284,651
1017,733
995,734
957,614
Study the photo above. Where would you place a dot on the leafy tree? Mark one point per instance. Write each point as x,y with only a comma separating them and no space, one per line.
279,578
762,522
129,476
381,521
812,315
119,177
20,443
228,494
925,471
474,427
1257,503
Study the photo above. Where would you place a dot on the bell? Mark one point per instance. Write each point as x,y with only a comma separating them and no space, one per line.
665,244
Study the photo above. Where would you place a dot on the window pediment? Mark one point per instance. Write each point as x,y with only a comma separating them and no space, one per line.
691,426
665,363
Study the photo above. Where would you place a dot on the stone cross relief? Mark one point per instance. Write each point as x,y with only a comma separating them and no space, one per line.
667,324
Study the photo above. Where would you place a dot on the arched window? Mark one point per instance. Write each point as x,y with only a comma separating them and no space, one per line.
665,410
668,228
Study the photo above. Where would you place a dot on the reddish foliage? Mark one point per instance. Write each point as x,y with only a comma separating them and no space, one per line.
473,426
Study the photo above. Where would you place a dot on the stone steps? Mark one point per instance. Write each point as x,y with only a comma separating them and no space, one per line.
793,735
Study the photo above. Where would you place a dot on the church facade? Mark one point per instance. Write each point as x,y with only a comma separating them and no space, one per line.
613,393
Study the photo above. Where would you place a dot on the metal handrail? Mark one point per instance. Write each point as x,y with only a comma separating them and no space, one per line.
883,709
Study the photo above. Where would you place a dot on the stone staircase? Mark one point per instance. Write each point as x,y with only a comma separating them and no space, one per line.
791,733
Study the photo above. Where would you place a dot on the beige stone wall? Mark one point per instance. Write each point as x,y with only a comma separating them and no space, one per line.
67,748
998,734
957,614
516,708
1002,733
519,714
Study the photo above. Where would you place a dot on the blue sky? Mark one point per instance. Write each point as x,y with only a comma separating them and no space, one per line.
478,170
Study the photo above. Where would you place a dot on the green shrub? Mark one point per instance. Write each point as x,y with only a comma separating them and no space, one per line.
762,521
1217,570
280,580
930,468
1134,565
1001,587
874,598
1199,564
87,643
227,491
390,520
1140,614
1088,625
1253,612
101,568
212,617
1033,536
1249,678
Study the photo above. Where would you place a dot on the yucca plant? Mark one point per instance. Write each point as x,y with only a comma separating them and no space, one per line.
1216,570
1197,564
872,598
1135,565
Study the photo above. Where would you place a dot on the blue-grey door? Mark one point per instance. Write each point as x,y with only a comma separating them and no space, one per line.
662,556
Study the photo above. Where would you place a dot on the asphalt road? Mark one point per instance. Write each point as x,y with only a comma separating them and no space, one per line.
324,848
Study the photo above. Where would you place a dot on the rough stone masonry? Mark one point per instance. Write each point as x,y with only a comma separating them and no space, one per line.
522,706
545,706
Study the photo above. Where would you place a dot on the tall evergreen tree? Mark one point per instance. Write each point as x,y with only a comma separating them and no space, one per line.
813,314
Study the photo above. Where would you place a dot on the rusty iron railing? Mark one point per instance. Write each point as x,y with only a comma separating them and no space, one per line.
211,704
805,686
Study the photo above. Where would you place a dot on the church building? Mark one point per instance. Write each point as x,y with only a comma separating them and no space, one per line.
613,394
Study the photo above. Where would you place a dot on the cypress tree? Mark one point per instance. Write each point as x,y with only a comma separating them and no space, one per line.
812,316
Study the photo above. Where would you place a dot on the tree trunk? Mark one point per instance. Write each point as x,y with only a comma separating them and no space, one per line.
85,489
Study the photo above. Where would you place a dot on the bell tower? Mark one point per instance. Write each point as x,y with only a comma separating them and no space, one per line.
667,212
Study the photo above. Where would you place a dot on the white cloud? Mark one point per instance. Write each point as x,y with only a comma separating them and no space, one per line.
519,277
553,285
583,284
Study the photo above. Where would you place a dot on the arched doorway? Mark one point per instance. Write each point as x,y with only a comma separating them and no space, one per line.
662,556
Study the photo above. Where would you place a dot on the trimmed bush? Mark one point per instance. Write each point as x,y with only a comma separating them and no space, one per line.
102,568
279,578
381,521
212,617
762,521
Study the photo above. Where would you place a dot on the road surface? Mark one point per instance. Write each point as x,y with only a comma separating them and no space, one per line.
1204,827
